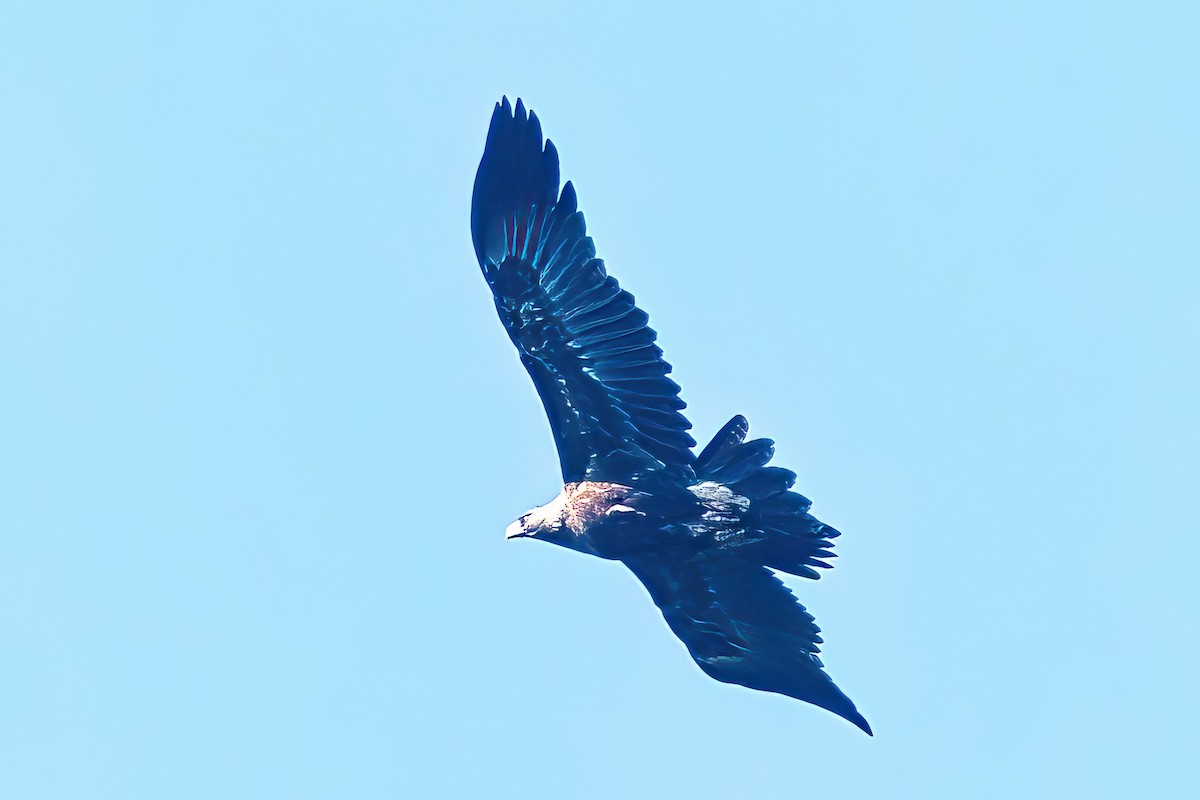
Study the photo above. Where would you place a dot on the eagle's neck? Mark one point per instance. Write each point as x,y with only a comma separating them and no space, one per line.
580,505
576,518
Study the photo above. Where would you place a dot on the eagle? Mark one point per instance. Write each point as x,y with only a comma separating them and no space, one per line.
704,533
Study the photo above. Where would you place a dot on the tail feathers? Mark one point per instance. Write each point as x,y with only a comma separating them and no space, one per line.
793,542
794,557
788,539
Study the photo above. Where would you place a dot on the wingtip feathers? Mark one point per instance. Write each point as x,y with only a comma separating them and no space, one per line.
518,170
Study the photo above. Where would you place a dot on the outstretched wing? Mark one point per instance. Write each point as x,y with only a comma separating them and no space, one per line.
742,625
613,410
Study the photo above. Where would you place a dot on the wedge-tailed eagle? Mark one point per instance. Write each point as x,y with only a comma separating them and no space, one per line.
702,532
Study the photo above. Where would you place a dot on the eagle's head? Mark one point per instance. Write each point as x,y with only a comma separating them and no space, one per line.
586,516
538,526
548,523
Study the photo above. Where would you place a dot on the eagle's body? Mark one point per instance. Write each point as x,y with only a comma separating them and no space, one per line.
613,521
702,532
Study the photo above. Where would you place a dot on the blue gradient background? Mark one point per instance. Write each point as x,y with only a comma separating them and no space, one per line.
261,431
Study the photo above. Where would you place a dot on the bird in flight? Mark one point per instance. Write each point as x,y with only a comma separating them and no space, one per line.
701,532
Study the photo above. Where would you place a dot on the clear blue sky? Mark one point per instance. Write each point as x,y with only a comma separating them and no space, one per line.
261,431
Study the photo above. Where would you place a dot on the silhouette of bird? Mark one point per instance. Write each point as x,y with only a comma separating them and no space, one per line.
701,532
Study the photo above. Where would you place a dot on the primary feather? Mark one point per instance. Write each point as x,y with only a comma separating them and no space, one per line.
592,357
701,533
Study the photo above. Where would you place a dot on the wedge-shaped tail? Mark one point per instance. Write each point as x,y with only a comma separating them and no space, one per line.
784,535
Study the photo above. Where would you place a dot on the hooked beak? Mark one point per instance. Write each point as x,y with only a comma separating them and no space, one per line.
515,530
